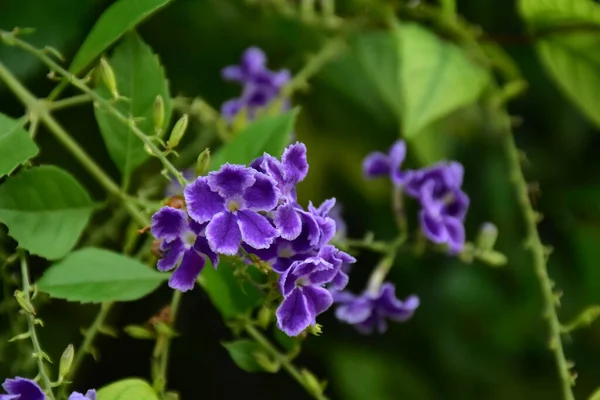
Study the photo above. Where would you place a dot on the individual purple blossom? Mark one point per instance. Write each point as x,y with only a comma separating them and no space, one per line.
184,242
370,311
21,389
230,201
378,164
89,395
302,286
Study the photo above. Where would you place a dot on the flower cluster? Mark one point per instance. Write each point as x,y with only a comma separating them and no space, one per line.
26,389
438,188
260,85
253,209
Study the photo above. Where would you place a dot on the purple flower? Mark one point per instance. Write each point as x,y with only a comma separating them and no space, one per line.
378,164
89,395
444,175
22,389
260,85
302,286
231,199
371,310
183,241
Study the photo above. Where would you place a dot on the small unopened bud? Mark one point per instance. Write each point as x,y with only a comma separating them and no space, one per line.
158,114
264,317
311,382
108,77
22,336
266,363
24,302
203,162
492,258
487,236
177,132
139,332
66,360
172,396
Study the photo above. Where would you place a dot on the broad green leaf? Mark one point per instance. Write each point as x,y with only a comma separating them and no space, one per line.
595,395
242,353
119,18
230,296
268,134
16,146
45,210
436,77
140,77
127,389
92,275
572,58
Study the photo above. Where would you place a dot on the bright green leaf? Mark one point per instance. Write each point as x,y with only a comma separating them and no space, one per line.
127,389
436,77
119,18
242,353
45,209
140,77
595,395
92,275
573,57
267,134
230,296
16,146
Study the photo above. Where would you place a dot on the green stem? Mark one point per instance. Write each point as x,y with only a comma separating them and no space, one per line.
36,106
69,102
448,9
37,349
281,358
536,247
86,347
163,355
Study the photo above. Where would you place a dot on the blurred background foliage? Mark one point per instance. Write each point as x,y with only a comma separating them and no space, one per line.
479,332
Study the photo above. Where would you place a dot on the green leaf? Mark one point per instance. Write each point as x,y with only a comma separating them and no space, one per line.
16,146
92,275
127,389
595,395
120,17
572,58
45,209
436,78
230,296
242,353
268,134
140,77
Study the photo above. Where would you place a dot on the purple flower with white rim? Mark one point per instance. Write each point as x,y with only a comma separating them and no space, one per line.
183,242
287,173
230,200
22,389
89,395
370,311
303,291
378,164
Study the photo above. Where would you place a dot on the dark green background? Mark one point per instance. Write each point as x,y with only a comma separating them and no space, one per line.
479,332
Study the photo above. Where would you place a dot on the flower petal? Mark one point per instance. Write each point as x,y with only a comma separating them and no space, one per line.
288,222
201,245
230,108
294,162
433,227
310,235
375,165
231,180
202,203
396,158
274,168
287,282
253,60
169,223
184,278
256,230
173,252
28,389
262,195
355,311
455,231
233,73
389,306
339,281
223,234
293,315
318,299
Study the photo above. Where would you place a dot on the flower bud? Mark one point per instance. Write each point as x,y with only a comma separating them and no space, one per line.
66,360
158,114
266,363
139,332
24,302
492,258
264,317
22,336
311,381
108,77
203,162
487,236
177,132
